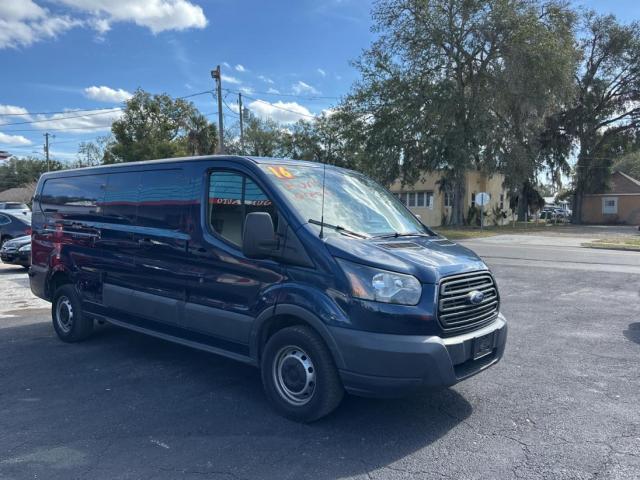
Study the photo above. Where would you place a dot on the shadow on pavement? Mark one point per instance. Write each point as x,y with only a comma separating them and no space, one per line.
12,269
633,332
125,402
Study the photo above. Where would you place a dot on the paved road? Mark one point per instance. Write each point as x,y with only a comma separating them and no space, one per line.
557,251
563,404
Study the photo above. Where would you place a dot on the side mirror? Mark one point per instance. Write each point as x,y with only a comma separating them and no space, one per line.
258,238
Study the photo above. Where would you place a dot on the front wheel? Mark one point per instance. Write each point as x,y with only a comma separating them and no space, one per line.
299,375
69,322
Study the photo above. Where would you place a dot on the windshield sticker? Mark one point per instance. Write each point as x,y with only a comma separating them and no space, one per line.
281,172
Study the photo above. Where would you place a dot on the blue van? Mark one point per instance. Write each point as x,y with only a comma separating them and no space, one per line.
315,274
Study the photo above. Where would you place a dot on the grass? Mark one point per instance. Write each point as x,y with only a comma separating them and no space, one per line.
629,244
461,233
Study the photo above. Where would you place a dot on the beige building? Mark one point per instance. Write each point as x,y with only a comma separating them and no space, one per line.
425,199
621,204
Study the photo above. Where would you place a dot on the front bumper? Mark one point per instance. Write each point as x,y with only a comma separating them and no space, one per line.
383,365
16,258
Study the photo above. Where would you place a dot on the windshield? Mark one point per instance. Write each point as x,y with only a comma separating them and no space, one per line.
352,201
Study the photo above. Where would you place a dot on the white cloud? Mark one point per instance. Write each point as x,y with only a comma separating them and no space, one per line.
321,72
266,79
156,15
226,64
302,87
240,68
230,79
13,111
24,22
93,121
107,94
275,91
281,112
247,90
14,139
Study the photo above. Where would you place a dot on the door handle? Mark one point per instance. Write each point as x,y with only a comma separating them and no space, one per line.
145,241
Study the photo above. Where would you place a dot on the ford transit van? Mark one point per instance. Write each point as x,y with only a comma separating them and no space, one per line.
315,274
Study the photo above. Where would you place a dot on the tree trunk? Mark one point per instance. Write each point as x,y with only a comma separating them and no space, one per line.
577,207
523,204
457,208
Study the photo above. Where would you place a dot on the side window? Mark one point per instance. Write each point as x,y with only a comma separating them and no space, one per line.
121,197
82,195
163,200
232,196
4,220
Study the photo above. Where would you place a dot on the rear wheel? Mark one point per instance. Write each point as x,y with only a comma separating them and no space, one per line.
299,376
69,321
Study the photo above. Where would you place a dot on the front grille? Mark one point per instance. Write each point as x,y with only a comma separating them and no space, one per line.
456,312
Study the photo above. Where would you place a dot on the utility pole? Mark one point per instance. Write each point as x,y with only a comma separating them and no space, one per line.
241,122
215,74
46,148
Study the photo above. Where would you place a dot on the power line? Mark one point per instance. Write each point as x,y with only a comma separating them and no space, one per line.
104,112
90,109
303,97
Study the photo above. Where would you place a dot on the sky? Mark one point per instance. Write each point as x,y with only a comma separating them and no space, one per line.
67,66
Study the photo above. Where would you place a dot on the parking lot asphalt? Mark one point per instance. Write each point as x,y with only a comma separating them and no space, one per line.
563,404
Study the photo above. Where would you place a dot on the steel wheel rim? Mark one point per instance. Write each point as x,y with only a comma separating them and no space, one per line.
294,375
64,314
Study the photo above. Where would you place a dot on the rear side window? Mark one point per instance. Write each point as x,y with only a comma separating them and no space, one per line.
232,196
81,195
121,197
163,200
4,220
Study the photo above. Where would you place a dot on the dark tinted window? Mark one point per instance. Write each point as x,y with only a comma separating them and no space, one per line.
14,206
231,197
74,194
4,220
121,197
163,200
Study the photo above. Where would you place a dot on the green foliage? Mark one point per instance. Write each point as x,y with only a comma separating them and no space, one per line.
629,164
16,172
158,126
452,85
498,215
604,108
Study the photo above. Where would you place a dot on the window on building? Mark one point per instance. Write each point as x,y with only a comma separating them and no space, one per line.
502,201
609,205
232,197
473,199
416,199
448,199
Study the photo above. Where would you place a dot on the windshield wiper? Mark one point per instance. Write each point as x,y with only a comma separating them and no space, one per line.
338,228
398,234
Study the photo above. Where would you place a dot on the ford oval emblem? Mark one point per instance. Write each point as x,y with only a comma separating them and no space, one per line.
475,297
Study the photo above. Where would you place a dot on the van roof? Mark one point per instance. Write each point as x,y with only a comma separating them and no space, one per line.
256,160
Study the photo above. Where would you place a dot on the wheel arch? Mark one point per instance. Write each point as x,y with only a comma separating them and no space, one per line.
285,315
56,280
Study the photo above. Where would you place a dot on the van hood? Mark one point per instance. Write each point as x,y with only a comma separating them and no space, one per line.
427,258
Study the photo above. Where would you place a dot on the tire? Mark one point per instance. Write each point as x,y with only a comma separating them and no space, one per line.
299,376
69,322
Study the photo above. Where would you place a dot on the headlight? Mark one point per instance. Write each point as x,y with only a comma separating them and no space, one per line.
26,248
370,283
